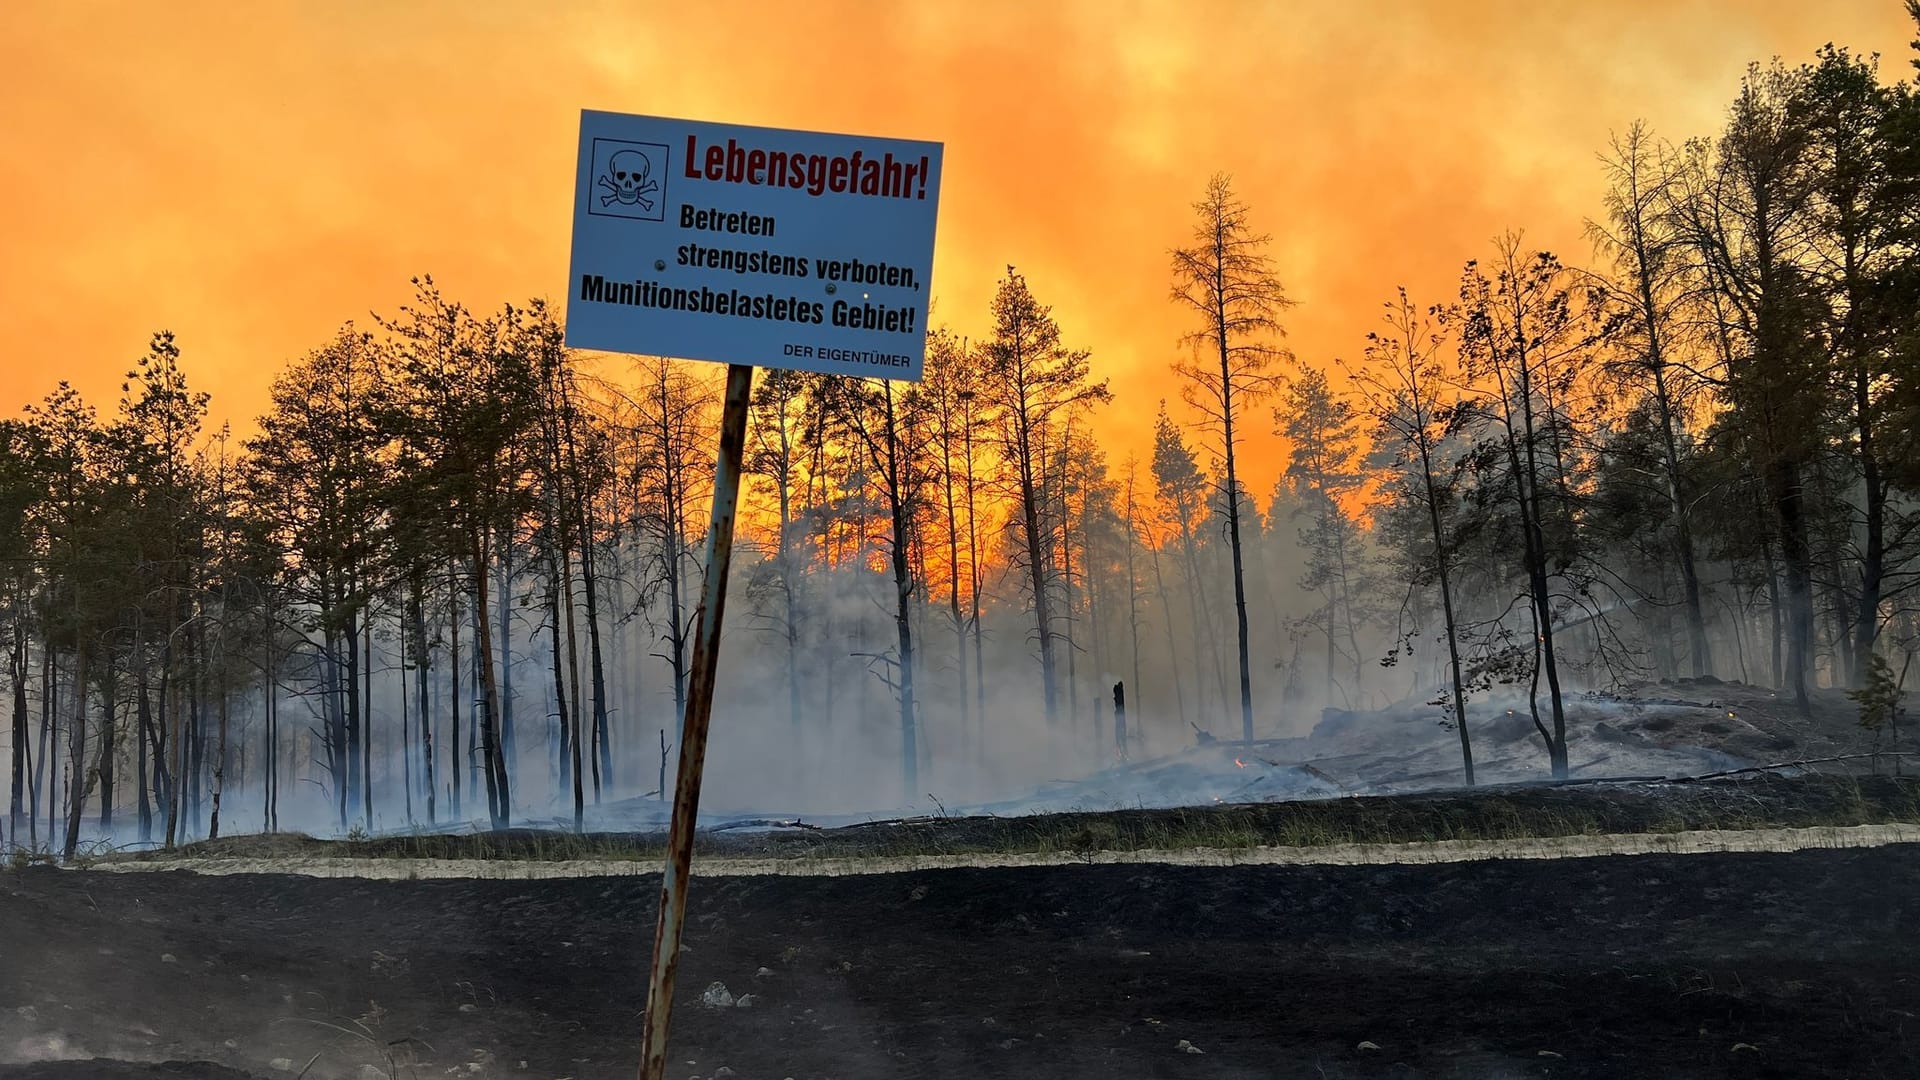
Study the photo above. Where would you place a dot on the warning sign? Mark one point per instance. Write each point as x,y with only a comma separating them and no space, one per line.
747,245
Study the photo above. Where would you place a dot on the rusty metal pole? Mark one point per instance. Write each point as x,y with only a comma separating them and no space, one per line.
693,727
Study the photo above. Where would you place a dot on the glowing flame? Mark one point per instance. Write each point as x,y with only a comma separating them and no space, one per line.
1240,763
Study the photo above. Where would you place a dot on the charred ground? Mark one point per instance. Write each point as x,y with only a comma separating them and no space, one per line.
1755,965
1790,965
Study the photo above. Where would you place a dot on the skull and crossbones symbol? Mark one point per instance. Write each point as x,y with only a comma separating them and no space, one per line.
626,180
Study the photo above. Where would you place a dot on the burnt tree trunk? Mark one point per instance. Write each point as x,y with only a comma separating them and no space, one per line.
17,668
220,749
104,768
453,688
77,753
366,718
1030,533
1785,489
423,658
1873,559
499,785
897,483
1173,650
602,738
143,741
570,763
504,624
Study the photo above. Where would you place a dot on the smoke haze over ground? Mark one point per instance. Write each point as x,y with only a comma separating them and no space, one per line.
1590,494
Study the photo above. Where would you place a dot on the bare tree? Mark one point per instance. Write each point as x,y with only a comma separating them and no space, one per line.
1227,279
948,374
891,425
672,448
1130,522
1527,335
778,415
1642,237
1403,385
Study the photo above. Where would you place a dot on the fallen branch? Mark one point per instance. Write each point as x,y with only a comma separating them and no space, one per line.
920,820
1792,765
769,823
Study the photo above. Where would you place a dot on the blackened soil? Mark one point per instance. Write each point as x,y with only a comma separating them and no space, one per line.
1793,965
112,1069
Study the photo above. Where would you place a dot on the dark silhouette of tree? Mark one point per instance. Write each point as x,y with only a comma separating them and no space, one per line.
891,425
776,454
1227,279
1405,387
1525,333
1181,489
1323,464
467,400
1033,384
1651,359
316,470
1746,213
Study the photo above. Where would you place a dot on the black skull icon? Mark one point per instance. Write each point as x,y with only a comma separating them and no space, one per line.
628,181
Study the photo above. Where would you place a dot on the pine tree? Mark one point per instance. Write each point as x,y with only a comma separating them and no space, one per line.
1745,212
1227,279
1652,353
1034,383
1323,463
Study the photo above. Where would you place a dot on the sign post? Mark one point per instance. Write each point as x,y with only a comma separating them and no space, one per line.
693,728
791,249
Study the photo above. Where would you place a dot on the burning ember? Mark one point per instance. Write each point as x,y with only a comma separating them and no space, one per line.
1239,763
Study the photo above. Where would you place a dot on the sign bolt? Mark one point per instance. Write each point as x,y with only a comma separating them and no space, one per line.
659,264
830,289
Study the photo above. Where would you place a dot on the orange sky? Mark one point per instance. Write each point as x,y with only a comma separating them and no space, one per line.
251,175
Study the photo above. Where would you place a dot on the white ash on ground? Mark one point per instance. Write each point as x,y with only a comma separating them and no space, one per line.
1682,728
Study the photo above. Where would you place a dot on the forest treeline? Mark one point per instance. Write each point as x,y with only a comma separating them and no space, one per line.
451,576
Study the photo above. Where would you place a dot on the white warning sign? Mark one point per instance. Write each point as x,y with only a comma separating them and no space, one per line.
749,245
